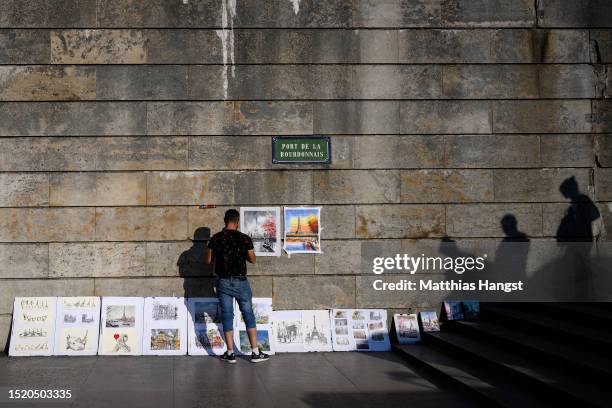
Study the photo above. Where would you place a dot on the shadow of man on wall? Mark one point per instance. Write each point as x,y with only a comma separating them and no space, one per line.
575,237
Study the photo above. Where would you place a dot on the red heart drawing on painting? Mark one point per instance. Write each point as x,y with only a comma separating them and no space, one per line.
116,336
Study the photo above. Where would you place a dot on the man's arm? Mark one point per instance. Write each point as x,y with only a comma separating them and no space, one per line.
251,257
208,259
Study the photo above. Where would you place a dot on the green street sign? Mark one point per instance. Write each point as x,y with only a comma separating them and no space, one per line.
301,149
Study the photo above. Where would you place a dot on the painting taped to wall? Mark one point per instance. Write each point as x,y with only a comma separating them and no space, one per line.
262,224
302,230
165,326
33,330
77,325
205,330
121,326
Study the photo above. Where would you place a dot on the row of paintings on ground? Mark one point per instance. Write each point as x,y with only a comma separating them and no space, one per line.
178,326
408,327
302,232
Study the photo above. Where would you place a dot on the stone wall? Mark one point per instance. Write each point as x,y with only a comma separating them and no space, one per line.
119,117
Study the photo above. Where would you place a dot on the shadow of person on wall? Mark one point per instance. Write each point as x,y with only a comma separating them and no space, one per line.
575,237
197,275
512,252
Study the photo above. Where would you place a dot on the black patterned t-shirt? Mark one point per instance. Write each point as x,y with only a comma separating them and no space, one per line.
230,248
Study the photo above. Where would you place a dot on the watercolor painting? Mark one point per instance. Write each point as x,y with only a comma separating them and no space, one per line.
302,230
262,224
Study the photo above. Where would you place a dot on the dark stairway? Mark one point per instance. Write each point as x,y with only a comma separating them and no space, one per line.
525,354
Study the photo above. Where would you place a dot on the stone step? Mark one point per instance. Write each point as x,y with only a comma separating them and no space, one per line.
592,364
566,387
490,388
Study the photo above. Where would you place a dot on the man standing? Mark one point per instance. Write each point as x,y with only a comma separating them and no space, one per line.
230,249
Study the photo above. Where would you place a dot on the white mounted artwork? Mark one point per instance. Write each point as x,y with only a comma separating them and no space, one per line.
33,331
360,330
77,326
288,333
429,321
316,329
262,308
302,230
205,330
406,328
263,225
342,334
165,326
121,326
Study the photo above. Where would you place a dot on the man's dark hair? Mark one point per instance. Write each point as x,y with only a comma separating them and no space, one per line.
231,216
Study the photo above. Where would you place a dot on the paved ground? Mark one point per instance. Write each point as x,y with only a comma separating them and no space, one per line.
288,380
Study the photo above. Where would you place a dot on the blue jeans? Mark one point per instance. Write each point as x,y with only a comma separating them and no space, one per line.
229,289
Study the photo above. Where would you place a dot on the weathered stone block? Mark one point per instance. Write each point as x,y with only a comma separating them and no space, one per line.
444,46
575,13
42,287
567,150
97,189
375,46
189,118
298,264
24,261
445,117
48,13
398,151
482,151
338,222
142,287
537,185
278,13
190,188
399,221
603,149
23,119
46,154
540,46
338,258
310,292
484,220
46,224
282,187
446,186
397,82
567,81
206,82
135,82
96,260
47,83
183,46
24,47
601,44
158,13
271,82
98,47
24,189
567,116
606,220
603,184
141,153
266,46
184,258
490,82
602,116
209,219
355,186
486,13
268,118
141,224
254,152
356,117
